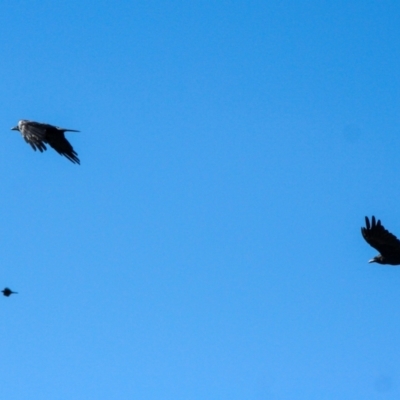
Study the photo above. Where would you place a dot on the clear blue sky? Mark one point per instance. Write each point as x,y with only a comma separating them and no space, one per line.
209,246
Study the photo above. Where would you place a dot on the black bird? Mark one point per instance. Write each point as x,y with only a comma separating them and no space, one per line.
383,241
7,292
37,134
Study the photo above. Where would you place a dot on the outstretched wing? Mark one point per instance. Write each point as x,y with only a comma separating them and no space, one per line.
34,134
56,139
378,237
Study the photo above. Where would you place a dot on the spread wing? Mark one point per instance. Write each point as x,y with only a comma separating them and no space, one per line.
56,139
35,135
378,237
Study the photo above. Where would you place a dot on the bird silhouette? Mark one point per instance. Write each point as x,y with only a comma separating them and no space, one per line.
382,240
7,292
37,134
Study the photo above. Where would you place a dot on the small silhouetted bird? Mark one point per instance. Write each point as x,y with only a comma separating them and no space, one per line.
382,240
7,292
37,134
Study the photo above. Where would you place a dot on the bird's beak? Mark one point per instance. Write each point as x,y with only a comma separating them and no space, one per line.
15,128
372,260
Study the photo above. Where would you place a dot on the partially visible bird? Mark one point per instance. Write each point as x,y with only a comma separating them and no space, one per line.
7,292
382,240
37,134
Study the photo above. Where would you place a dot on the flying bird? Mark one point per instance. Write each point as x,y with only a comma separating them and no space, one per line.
37,134
7,292
382,240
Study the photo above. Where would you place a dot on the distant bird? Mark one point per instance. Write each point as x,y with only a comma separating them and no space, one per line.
7,292
383,241
37,134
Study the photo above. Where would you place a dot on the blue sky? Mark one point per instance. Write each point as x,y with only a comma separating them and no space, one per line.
209,246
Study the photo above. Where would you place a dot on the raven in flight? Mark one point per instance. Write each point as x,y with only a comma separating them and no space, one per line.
383,241
37,134
7,292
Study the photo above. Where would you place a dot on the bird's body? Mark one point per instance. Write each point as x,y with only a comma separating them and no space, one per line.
382,240
7,292
37,134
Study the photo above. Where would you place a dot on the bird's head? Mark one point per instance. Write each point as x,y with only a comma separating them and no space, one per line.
377,259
